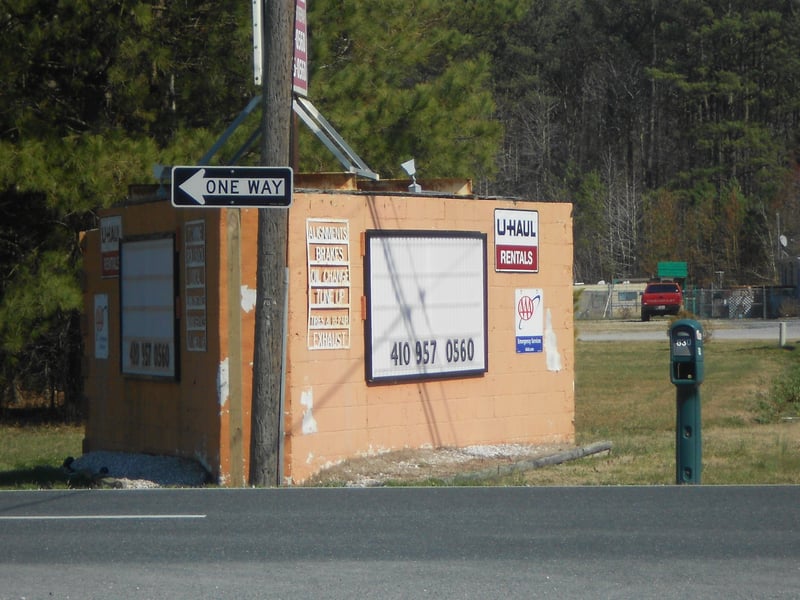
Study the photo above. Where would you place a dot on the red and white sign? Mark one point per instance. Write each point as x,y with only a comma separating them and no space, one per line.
516,240
300,63
110,234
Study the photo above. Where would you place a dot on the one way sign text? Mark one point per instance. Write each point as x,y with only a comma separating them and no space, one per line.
253,187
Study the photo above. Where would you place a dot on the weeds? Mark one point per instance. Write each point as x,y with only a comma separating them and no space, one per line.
31,455
783,398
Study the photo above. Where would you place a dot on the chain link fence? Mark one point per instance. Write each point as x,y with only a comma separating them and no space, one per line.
623,301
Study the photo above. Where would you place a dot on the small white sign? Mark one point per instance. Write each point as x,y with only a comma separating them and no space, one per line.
528,321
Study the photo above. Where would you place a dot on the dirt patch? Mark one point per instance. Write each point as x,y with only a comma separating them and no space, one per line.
410,467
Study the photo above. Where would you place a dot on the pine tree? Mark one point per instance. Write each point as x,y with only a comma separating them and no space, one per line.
407,79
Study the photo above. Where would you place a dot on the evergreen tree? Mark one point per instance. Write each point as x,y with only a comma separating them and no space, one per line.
94,94
407,79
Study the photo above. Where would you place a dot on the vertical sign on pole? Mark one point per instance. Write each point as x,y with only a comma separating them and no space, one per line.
300,62
258,51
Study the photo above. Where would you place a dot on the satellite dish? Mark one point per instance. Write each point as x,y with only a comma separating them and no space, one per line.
783,241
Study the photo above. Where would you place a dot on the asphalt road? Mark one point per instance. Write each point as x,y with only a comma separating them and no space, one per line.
600,542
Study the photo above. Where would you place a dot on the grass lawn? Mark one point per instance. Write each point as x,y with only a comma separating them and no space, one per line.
623,394
31,455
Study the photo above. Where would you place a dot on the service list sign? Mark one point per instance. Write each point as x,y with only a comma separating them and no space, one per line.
516,240
194,235
328,246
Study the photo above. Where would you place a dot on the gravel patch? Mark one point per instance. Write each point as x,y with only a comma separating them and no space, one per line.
136,471
127,470
411,466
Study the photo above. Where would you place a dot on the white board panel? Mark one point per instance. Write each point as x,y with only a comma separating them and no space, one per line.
426,304
147,297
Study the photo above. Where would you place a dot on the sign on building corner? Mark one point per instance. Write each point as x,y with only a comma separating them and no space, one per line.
516,240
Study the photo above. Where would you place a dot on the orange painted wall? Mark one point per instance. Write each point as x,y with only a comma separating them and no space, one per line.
155,415
517,400
330,411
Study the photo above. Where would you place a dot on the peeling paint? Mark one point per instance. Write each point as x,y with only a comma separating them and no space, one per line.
248,299
222,383
307,401
551,344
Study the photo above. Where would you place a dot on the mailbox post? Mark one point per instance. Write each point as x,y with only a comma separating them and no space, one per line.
686,373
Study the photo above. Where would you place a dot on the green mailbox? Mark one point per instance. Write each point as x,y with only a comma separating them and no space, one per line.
686,352
686,372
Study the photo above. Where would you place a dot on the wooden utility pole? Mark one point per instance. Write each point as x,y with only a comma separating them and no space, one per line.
278,28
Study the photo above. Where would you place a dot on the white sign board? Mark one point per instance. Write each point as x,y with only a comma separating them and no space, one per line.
426,304
516,240
147,297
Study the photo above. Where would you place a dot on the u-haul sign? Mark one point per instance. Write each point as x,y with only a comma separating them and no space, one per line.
516,241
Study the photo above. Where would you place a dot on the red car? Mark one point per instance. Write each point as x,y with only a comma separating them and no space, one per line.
661,298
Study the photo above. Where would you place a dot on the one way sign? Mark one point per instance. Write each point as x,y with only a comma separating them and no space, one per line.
213,187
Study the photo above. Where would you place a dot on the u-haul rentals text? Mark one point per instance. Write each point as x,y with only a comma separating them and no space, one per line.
516,240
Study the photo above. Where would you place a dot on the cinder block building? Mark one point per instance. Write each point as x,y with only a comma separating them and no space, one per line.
412,320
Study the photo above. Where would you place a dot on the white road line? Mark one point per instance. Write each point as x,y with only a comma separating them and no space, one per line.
93,517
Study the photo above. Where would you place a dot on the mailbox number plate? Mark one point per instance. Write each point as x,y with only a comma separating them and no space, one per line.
682,344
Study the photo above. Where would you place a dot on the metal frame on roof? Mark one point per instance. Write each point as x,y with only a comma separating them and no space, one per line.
326,133
313,119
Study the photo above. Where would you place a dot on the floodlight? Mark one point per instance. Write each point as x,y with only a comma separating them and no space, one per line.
411,170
